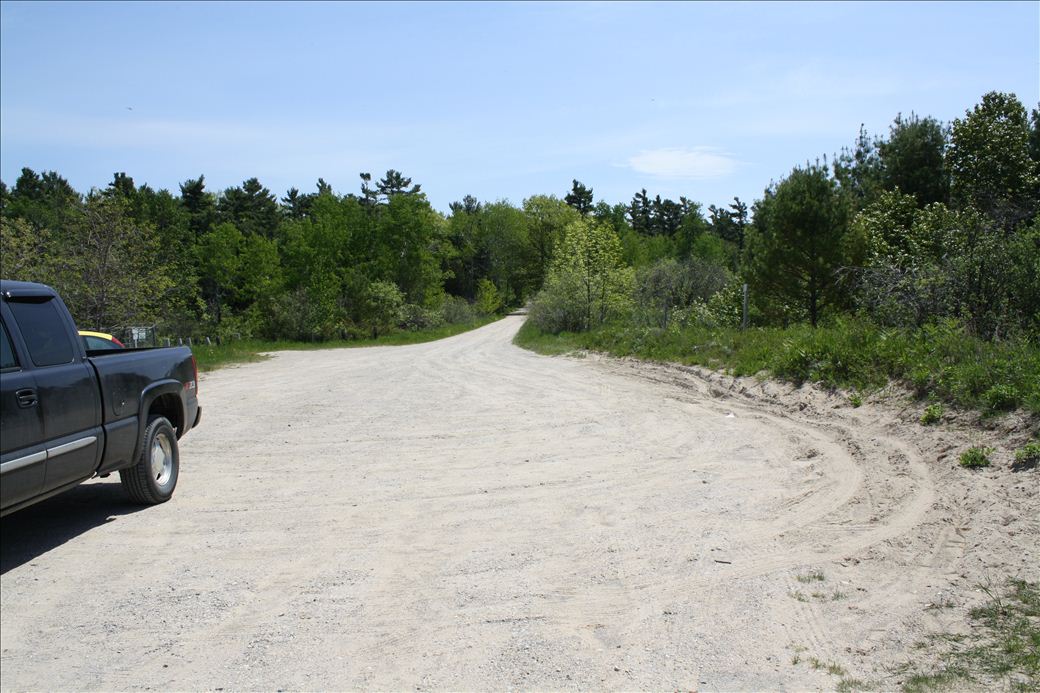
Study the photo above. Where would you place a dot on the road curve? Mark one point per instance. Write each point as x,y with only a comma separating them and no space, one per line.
464,514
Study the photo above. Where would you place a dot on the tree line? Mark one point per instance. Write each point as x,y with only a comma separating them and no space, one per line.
932,221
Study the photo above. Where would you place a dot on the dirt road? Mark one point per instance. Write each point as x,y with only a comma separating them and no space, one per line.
467,515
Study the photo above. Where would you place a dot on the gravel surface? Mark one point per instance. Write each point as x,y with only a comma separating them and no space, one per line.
464,514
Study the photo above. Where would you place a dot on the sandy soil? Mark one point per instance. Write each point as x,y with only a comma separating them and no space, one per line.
468,515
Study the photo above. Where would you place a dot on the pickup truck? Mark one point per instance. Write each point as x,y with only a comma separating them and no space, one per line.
68,414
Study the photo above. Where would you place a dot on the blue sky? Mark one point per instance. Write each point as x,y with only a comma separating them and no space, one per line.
501,101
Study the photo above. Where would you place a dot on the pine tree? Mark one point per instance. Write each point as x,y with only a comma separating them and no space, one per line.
580,198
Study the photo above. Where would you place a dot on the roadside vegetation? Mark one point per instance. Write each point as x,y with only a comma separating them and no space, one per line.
942,362
213,356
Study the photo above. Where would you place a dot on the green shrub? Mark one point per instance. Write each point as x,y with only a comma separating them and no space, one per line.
558,306
670,285
976,457
933,414
303,316
1001,398
382,307
1030,454
456,311
920,378
415,317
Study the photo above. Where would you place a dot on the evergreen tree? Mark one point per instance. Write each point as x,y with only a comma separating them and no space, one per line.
44,201
369,196
199,204
252,208
912,159
798,245
121,185
860,171
295,205
395,183
641,213
580,198
666,217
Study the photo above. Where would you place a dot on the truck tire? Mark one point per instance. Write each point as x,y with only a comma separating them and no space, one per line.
154,477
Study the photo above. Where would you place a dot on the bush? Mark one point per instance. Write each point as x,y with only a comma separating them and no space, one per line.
933,414
926,265
297,315
669,285
1028,455
976,457
382,307
558,307
415,317
456,311
1001,398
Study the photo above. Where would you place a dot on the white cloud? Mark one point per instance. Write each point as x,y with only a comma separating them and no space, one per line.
694,162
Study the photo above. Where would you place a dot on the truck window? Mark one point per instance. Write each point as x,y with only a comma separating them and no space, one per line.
7,357
44,332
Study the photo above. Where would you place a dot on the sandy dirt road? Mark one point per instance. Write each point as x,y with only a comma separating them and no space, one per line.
467,515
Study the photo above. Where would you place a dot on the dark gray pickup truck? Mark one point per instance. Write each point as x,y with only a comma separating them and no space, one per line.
67,414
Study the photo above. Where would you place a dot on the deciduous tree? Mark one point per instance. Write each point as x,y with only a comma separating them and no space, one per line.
989,161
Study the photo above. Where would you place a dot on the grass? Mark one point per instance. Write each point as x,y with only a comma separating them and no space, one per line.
1003,648
941,362
212,357
800,596
830,667
1000,652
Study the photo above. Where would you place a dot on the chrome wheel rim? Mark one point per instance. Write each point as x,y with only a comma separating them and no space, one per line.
162,459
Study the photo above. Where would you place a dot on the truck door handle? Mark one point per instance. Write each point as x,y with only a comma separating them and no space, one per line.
26,398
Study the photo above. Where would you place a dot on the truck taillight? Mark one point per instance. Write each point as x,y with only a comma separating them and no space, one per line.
195,367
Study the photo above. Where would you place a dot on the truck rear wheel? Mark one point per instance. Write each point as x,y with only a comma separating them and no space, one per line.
154,477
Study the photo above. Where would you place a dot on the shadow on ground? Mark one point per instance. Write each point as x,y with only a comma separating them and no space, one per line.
32,532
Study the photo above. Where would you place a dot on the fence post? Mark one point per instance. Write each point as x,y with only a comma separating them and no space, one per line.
744,319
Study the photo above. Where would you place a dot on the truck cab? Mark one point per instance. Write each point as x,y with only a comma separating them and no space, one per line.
67,414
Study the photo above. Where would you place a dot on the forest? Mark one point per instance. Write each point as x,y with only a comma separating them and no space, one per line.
928,233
